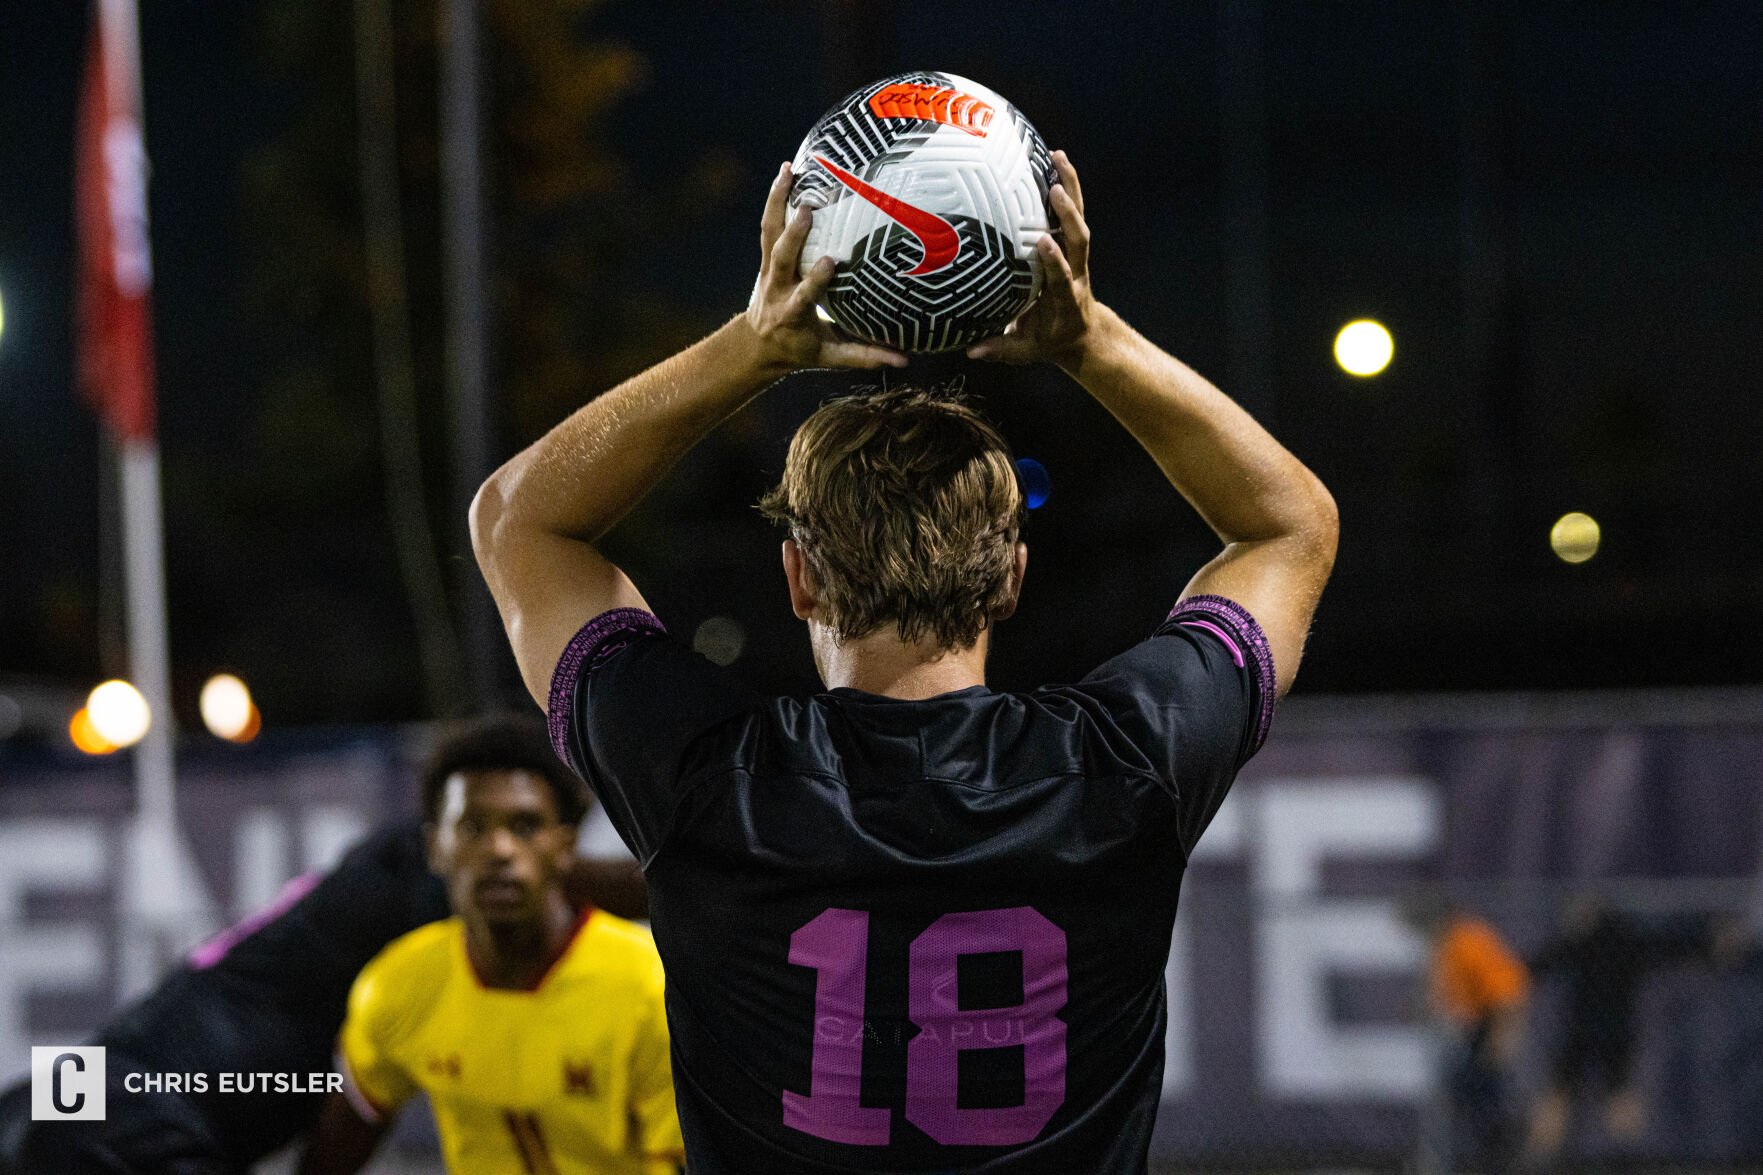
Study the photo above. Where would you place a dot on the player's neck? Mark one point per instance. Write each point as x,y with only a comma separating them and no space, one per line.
516,955
881,663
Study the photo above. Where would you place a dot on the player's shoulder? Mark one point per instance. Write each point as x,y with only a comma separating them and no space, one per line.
607,942
401,986
619,936
418,959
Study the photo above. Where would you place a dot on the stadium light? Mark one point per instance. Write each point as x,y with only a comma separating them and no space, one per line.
1574,538
85,736
119,713
1364,347
228,709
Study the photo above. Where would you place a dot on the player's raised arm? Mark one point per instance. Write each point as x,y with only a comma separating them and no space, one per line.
534,523
1277,521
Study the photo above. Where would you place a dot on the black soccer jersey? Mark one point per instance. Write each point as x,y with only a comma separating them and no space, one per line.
915,936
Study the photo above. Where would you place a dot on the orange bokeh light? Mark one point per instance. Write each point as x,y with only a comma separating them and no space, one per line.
253,725
85,736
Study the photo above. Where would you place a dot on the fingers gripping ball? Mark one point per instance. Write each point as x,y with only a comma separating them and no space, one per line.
930,192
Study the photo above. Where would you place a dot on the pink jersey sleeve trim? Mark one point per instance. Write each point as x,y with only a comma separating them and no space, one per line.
597,640
218,947
1236,650
1231,623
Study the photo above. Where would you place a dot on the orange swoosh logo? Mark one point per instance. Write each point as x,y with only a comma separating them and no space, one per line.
936,236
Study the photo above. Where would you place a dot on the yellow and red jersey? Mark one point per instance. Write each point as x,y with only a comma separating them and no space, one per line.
569,1078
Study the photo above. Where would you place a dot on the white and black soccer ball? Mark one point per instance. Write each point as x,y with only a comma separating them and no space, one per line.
930,192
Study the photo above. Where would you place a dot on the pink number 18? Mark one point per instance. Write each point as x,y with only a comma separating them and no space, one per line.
836,945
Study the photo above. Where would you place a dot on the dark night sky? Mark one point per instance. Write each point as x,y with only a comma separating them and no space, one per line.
1624,381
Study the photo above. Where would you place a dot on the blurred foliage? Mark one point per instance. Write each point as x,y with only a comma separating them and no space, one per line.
570,223
575,220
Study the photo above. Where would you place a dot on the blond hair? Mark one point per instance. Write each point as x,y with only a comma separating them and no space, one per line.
907,510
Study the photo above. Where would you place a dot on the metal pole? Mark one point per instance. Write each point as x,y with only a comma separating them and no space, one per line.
468,329
1248,298
1494,502
382,216
149,656
161,913
138,459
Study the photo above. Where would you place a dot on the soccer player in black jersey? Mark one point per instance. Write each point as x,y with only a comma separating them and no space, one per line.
909,923
266,996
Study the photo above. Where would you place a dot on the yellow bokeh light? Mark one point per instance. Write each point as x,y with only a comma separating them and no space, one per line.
85,736
227,709
2,315
119,713
1574,538
1364,347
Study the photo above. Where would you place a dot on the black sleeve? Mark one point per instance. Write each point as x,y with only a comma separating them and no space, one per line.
324,928
627,702
1196,699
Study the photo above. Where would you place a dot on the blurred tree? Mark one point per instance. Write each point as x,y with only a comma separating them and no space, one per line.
574,220
326,631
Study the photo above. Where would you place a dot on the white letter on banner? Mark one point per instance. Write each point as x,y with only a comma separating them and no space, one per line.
1223,840
326,832
37,855
260,860
1304,937
163,904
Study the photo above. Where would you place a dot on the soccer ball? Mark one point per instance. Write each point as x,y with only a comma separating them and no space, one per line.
930,192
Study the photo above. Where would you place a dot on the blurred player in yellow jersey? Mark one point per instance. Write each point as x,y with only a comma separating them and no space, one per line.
538,1031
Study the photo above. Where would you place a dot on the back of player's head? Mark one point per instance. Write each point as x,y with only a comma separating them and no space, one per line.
501,742
906,507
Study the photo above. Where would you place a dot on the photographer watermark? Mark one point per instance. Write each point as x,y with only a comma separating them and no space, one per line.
68,1083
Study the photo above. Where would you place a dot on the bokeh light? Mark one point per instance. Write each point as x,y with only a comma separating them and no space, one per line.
228,709
1036,482
119,713
722,639
2,314
1364,347
85,736
1574,538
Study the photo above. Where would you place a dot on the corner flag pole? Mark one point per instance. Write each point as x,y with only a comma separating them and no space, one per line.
115,341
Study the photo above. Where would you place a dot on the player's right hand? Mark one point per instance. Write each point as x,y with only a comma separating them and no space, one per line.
781,313
1056,326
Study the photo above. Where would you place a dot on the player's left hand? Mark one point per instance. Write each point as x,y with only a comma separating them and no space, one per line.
1057,327
781,314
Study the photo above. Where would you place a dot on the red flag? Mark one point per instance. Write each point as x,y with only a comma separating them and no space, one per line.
114,313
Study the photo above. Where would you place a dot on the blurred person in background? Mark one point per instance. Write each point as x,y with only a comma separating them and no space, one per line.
1738,954
1477,990
536,1029
1602,956
910,923
266,996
